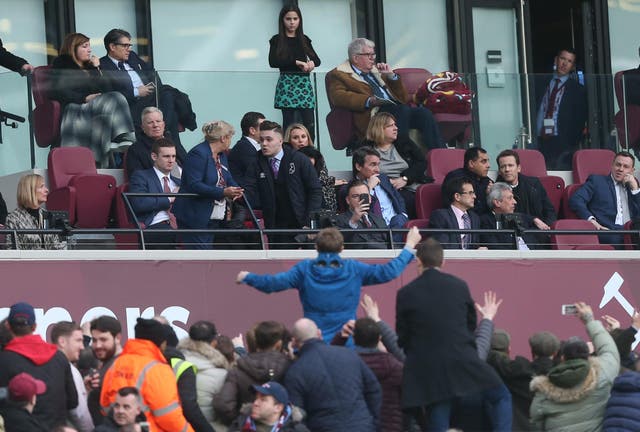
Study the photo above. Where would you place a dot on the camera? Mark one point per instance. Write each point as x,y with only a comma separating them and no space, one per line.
510,221
322,219
57,219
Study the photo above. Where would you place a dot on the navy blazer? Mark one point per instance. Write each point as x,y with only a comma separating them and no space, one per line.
356,240
572,112
121,80
241,157
146,208
200,176
597,198
445,218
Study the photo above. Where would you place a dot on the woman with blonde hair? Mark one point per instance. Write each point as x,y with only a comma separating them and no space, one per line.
93,116
31,195
206,173
298,137
400,159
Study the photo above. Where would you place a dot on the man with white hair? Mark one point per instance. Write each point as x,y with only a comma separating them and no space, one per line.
332,384
365,87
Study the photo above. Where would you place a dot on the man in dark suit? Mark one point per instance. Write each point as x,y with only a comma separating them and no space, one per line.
286,184
245,151
386,201
608,202
155,212
503,219
529,193
475,168
358,216
461,196
562,112
439,369
136,80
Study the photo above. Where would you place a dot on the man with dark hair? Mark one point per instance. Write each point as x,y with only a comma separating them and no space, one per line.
155,212
439,369
574,394
329,286
332,384
475,168
67,336
151,130
139,82
143,365
267,363
610,201
460,195
106,334
285,183
245,151
359,216
530,195
365,87
126,411
386,201
271,410
17,410
200,351
562,111
27,352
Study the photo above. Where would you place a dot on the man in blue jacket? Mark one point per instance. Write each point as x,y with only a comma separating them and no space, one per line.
329,286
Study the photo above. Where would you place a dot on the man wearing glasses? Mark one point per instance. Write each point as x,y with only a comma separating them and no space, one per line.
137,81
365,87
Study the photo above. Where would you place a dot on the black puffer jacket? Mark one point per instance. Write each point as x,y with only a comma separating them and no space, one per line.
255,368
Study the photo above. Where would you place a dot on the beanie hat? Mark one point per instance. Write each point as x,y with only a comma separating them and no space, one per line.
544,344
151,330
500,340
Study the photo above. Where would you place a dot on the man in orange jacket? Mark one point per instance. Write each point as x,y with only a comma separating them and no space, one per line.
143,366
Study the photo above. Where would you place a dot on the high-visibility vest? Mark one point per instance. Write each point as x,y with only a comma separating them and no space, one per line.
179,366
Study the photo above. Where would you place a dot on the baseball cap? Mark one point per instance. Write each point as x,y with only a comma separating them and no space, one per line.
274,389
22,313
23,387
500,340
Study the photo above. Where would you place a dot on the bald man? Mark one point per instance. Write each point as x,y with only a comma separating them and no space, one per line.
352,403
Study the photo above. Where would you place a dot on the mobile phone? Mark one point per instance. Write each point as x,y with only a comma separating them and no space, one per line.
569,309
365,197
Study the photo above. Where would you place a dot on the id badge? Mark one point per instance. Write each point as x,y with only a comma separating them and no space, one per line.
549,125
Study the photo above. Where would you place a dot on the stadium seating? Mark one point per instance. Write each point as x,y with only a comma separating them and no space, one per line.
591,161
48,112
428,198
576,241
441,161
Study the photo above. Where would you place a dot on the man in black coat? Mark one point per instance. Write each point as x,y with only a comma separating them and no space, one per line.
136,80
562,112
435,321
28,353
13,62
285,182
461,196
475,168
332,384
245,151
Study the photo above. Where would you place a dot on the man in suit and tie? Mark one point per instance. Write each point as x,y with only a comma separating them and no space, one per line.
610,201
286,183
365,87
460,195
386,201
245,151
136,80
155,212
358,216
562,112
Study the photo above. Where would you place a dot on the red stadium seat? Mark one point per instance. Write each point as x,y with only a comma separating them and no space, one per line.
47,113
554,186
76,187
124,220
591,161
428,198
575,241
567,213
441,161
339,124
532,163
420,224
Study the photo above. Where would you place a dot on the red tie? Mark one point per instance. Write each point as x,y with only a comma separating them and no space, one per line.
221,181
551,103
167,189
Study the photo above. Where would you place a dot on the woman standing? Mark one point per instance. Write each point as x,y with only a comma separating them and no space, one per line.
400,159
206,173
32,194
291,52
93,116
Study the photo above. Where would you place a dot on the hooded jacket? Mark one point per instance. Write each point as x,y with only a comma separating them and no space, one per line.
211,370
329,286
254,368
574,395
42,361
